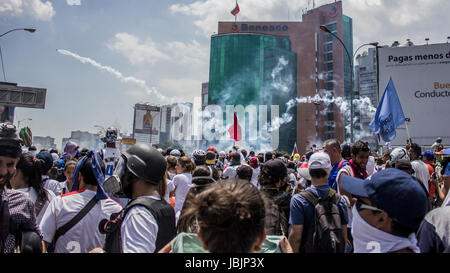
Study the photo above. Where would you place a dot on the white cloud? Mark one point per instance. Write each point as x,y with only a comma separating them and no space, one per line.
39,10
147,51
74,2
136,51
373,20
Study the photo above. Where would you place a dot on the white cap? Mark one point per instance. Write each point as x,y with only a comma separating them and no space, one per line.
319,160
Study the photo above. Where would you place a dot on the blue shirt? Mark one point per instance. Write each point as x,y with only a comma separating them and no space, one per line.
333,174
302,212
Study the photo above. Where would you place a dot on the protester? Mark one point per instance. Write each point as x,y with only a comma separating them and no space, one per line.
304,211
356,168
333,148
254,163
147,223
420,168
232,212
230,171
70,150
202,178
175,153
199,157
272,176
69,169
244,172
384,220
89,201
27,179
437,145
46,165
182,182
433,234
17,208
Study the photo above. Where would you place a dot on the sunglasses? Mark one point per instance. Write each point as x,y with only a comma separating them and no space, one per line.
360,205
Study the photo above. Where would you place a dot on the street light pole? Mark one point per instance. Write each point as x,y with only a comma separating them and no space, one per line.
1,55
350,59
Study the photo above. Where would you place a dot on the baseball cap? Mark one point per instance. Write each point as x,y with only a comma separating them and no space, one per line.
47,159
254,161
319,160
393,191
428,154
404,164
176,153
303,171
275,168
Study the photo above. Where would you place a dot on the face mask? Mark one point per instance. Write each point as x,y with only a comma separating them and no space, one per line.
368,239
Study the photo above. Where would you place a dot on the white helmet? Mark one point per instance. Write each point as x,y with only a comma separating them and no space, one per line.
399,153
176,153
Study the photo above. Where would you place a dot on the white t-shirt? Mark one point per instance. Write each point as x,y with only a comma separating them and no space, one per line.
255,177
230,172
52,185
421,172
84,236
170,187
346,170
139,229
33,196
182,182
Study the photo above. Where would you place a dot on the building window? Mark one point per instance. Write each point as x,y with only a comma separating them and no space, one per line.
332,27
330,116
205,98
329,57
330,86
329,66
328,47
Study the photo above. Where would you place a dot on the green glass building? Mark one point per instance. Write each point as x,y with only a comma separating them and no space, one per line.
255,69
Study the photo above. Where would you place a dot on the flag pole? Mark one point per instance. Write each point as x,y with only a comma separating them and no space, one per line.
235,17
407,130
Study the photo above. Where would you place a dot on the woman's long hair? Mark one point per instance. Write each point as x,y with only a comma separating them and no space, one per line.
31,169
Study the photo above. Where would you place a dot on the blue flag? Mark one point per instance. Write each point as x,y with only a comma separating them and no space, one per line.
389,114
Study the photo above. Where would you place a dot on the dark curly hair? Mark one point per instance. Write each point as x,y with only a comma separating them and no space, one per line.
231,216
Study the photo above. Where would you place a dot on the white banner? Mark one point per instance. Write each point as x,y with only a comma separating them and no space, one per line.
421,75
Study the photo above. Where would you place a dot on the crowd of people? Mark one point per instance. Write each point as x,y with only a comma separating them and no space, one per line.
339,198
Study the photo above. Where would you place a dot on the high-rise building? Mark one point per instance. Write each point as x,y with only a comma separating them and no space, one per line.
243,55
366,86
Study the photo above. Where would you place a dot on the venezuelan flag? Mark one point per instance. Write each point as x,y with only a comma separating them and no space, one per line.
295,150
236,10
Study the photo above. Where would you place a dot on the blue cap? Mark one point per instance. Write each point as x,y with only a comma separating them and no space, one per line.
428,154
395,192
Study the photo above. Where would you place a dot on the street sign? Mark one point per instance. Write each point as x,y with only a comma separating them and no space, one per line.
21,96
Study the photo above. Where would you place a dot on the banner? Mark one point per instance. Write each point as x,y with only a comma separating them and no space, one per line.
422,79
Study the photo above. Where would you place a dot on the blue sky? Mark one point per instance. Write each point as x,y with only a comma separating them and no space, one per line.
164,44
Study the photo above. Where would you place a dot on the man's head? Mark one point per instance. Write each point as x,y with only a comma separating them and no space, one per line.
390,200
439,140
47,161
428,155
415,151
210,158
87,176
71,149
360,154
236,157
273,173
199,157
404,165
333,148
10,151
244,172
254,162
346,151
319,166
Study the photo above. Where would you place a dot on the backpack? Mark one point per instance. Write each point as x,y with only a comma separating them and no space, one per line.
160,209
325,236
276,222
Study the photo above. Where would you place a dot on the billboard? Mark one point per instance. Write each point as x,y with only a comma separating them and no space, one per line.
421,76
147,123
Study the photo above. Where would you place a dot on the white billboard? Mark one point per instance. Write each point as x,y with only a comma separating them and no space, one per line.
147,123
421,76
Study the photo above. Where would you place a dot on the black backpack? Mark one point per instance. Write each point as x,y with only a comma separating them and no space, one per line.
160,209
325,236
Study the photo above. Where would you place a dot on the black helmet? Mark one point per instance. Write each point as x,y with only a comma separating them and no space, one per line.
10,144
146,163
